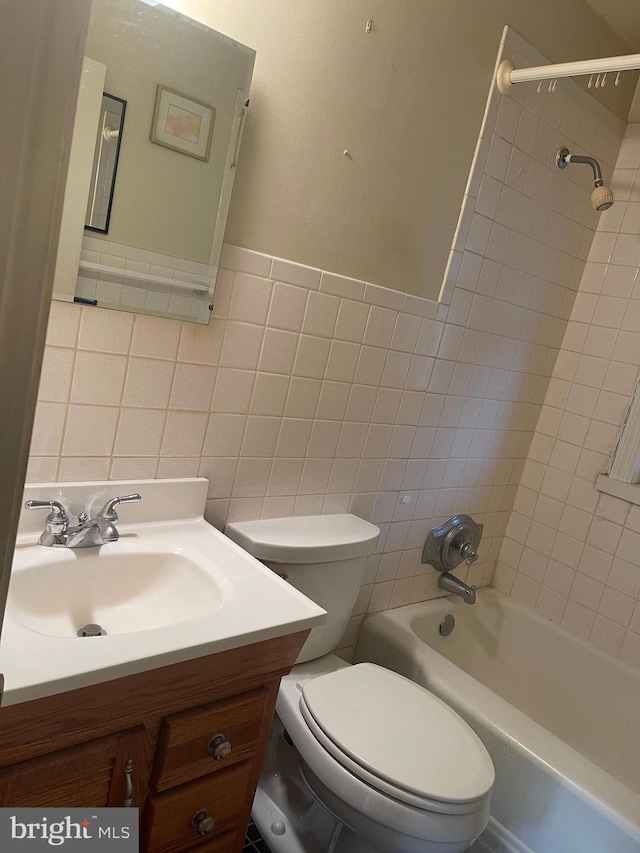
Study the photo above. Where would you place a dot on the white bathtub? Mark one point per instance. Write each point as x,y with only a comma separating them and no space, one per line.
560,719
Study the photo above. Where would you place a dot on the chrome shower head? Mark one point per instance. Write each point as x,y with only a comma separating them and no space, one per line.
601,198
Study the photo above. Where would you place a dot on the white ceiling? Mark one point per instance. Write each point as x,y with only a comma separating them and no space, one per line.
623,16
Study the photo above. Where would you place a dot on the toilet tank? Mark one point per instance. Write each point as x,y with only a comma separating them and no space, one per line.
323,556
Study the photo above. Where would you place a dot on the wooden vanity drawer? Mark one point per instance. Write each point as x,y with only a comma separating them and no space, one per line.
168,817
185,746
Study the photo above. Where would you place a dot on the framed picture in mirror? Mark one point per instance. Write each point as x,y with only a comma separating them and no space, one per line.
182,123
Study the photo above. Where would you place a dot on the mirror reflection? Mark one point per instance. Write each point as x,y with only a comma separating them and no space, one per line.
105,163
156,189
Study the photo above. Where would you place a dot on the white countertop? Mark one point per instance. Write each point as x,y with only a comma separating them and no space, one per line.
256,604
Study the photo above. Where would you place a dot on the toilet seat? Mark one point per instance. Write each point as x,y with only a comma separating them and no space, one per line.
363,714
371,812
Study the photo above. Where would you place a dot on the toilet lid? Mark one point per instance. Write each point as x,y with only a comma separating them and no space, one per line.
398,732
305,539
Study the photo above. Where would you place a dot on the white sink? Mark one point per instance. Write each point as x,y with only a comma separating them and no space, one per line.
170,589
123,587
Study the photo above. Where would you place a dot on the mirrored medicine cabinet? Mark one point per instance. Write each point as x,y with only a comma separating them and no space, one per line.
158,127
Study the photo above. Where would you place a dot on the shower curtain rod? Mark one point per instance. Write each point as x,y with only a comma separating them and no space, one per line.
508,74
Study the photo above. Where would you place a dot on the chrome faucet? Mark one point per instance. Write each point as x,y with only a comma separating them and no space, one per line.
452,584
88,533
85,534
454,542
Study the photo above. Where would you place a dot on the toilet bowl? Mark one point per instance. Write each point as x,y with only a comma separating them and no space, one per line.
360,759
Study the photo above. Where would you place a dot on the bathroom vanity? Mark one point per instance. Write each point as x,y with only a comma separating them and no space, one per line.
169,710
183,743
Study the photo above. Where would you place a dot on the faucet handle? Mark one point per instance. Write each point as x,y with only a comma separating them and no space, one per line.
109,515
469,553
109,509
57,521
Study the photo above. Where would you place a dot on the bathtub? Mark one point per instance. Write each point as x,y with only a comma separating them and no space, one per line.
560,719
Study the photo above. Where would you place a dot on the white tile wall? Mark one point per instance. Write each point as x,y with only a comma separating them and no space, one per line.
314,393
570,551
116,289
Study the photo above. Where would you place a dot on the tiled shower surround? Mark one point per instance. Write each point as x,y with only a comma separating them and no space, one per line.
313,393
572,552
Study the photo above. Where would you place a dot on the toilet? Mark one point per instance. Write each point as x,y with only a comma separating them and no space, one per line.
359,759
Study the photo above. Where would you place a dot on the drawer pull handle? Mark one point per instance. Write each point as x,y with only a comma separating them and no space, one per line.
203,822
219,747
128,775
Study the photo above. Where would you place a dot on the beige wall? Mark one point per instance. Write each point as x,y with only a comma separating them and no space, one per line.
406,101
634,112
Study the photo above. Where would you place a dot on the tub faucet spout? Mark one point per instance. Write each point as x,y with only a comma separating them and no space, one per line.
452,584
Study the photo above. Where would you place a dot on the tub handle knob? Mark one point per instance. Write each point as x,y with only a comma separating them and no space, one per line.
469,553
455,541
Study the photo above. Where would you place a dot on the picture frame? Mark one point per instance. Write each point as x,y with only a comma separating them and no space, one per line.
182,123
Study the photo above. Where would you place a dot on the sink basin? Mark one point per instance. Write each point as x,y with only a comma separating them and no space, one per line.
120,587
171,589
